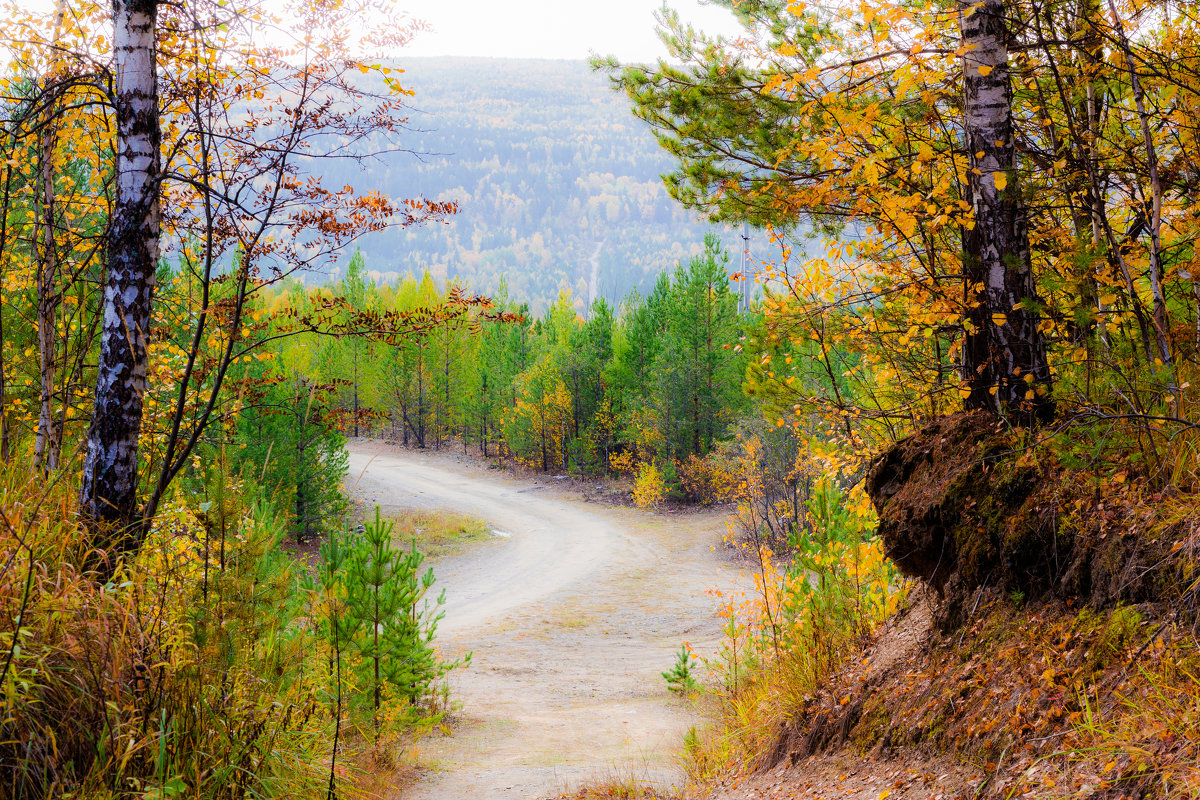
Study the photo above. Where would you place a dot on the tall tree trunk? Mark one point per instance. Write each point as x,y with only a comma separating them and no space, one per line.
483,426
302,510
1091,217
1004,362
109,493
446,384
1162,325
696,424
47,298
377,657
355,345
5,433
45,448
710,367
420,432
542,434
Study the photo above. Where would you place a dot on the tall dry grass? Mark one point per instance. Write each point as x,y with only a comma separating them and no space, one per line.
189,674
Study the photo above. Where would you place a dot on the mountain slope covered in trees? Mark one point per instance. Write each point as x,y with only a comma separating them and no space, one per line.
557,184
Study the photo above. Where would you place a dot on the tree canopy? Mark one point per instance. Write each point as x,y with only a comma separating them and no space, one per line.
872,121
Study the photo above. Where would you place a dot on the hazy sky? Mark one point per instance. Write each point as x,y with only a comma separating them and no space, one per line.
552,28
539,28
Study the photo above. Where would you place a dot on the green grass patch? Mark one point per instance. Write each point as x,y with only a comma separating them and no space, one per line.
440,533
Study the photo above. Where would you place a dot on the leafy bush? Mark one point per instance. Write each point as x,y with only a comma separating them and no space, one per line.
649,488
624,463
708,480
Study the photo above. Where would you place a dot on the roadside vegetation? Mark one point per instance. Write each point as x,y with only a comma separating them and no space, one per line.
213,664
156,640
994,363
439,533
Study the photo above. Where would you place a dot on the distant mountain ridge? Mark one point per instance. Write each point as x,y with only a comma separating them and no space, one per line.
558,183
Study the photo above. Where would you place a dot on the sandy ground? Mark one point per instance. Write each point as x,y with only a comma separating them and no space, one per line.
571,615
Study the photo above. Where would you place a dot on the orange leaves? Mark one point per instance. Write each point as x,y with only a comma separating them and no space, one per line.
905,223
708,480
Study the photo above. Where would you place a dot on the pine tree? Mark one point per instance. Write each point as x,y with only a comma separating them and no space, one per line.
696,375
636,345
332,618
387,594
288,439
490,362
348,358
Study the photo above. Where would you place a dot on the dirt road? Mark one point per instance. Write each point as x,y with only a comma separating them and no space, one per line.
572,614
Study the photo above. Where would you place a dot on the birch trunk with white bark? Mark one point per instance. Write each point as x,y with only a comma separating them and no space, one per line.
1004,364
110,473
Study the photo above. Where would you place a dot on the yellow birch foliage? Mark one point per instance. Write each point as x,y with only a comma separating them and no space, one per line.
649,488
849,119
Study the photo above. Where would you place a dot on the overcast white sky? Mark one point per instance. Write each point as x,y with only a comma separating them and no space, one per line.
552,28
540,28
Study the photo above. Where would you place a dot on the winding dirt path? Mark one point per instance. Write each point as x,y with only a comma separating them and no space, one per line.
571,617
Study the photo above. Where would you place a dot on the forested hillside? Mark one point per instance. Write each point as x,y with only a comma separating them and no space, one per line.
558,186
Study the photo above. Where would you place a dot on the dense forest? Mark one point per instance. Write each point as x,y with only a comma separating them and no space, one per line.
557,186
652,386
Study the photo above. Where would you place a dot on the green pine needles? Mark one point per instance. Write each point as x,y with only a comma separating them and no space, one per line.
679,678
382,620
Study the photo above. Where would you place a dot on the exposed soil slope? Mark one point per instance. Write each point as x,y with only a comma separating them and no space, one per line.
1052,652
998,708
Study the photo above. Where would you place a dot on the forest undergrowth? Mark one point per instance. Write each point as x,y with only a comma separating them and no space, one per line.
191,672
1076,676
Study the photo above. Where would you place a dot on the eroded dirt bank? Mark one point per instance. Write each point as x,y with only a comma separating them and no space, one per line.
571,615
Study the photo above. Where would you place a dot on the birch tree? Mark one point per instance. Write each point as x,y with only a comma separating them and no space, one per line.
856,127
1003,355
110,471
240,116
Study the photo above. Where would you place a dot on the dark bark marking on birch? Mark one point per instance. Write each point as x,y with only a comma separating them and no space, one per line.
110,473
1004,353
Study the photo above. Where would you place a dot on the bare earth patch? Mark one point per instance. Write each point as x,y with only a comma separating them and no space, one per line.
843,773
571,618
